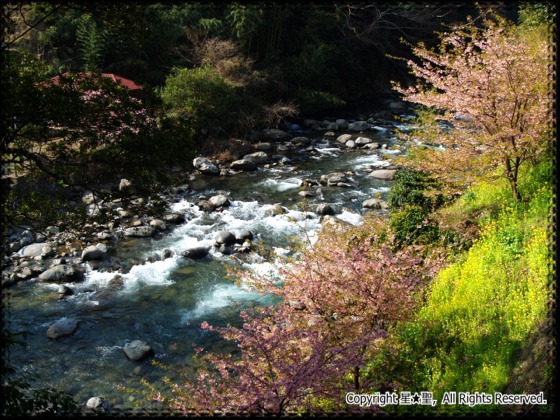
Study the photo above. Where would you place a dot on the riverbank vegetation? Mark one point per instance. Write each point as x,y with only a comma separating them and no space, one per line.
453,292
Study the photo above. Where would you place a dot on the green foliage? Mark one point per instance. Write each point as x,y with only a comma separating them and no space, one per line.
36,200
245,20
533,14
411,225
202,97
413,196
411,187
91,40
481,310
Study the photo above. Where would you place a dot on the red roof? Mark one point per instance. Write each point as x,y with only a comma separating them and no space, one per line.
129,84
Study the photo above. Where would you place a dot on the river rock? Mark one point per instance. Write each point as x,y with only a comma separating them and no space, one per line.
158,224
33,250
97,404
224,237
332,224
167,253
242,235
139,231
343,138
205,205
205,166
225,249
243,165
301,141
135,223
104,235
62,328
324,210
175,218
273,134
387,174
306,194
374,203
96,252
63,274
362,141
196,252
333,179
138,350
358,126
124,184
219,200
351,144
88,197
257,157
64,290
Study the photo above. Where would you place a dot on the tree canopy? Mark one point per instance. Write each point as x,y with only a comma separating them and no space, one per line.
481,106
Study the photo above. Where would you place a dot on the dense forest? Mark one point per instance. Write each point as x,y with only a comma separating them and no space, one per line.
453,292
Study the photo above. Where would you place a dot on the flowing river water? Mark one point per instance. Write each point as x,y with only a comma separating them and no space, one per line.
164,302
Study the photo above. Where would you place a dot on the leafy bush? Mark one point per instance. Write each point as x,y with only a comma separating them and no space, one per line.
412,226
202,97
410,188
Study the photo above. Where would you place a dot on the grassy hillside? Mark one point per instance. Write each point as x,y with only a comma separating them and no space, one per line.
485,325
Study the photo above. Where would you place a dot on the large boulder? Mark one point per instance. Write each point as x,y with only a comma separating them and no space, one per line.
63,274
301,141
324,210
205,166
62,328
243,165
362,141
333,179
242,235
175,218
375,203
138,350
158,224
140,231
224,237
196,252
257,157
219,200
343,138
387,174
96,252
34,250
97,404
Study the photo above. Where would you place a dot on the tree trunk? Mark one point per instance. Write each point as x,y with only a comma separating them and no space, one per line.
512,175
356,378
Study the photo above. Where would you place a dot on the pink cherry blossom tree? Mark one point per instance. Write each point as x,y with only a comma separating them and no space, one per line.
488,91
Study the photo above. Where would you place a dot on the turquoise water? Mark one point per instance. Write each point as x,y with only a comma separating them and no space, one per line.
164,302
